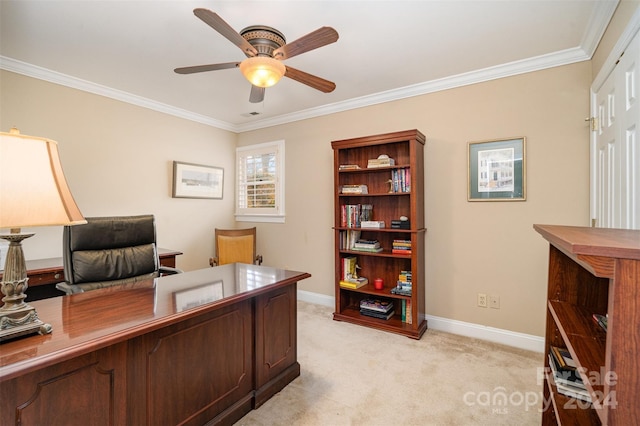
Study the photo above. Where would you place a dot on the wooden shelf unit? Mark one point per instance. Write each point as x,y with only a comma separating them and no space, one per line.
594,271
407,149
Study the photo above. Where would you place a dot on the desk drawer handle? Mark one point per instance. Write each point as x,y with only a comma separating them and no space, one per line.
57,276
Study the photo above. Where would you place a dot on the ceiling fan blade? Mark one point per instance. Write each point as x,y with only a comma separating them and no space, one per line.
318,38
257,94
217,23
203,68
310,80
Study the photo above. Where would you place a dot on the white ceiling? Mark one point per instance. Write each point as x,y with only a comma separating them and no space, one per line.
387,49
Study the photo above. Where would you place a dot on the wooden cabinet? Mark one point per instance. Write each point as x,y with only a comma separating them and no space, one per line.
393,191
594,271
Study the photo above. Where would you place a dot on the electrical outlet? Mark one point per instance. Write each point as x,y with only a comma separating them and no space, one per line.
494,302
482,300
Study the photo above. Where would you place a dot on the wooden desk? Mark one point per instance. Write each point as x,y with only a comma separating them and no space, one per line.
185,349
46,273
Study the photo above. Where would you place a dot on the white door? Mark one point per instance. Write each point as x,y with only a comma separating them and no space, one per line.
615,150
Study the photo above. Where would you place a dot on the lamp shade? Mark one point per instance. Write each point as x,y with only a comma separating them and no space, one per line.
33,189
262,71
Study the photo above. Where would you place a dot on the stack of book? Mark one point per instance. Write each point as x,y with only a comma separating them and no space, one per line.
404,285
377,308
371,246
381,161
401,247
400,224
565,375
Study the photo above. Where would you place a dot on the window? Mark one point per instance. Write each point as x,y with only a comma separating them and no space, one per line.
260,182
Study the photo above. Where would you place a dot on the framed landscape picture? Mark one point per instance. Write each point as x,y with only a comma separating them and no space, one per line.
197,181
497,170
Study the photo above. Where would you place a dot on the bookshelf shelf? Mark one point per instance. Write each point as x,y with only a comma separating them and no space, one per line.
594,271
392,191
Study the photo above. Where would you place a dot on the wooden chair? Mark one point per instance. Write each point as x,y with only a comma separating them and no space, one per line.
235,245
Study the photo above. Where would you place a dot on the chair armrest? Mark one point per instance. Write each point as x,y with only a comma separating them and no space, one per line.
69,288
167,270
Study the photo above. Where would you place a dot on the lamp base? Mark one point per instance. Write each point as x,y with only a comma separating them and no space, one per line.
21,322
16,317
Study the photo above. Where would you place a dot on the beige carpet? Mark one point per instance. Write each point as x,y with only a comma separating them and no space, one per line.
352,375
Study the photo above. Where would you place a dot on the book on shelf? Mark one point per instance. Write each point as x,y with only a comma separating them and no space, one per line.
401,180
376,304
372,246
400,224
349,267
348,167
354,189
573,392
354,283
375,314
406,311
403,289
401,251
565,377
601,320
563,357
368,249
376,224
352,215
382,161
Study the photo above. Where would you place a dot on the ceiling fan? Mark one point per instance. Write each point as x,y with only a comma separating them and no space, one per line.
265,48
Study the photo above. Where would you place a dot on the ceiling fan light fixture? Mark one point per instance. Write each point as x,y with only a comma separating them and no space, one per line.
262,71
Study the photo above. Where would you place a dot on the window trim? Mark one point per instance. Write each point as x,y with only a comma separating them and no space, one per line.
279,212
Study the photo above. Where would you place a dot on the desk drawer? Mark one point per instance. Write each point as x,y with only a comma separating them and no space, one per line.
44,278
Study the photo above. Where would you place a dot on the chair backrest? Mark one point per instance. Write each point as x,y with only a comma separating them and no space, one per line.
235,245
110,250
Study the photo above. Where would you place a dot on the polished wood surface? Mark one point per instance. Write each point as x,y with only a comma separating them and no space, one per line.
187,348
595,270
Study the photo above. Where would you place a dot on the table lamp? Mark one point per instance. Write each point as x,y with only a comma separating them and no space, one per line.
33,192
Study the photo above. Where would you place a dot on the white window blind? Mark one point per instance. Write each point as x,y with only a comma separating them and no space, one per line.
259,183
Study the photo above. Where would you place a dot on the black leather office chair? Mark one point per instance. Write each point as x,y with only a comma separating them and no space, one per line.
109,251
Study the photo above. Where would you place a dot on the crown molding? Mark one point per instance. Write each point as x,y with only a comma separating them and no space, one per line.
565,57
598,22
19,67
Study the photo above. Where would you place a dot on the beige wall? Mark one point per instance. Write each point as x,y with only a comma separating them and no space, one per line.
117,158
487,247
118,161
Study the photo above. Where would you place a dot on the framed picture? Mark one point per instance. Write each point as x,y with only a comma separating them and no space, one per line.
497,170
197,181
197,296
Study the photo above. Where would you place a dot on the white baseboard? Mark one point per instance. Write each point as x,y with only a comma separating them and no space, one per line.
476,331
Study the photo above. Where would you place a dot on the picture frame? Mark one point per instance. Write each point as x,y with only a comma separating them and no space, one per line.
197,296
197,181
497,170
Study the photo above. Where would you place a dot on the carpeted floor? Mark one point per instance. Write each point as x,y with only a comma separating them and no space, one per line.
352,375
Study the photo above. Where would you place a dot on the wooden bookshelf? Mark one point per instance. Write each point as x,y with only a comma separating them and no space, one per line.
594,271
389,203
